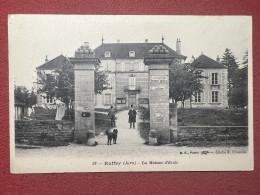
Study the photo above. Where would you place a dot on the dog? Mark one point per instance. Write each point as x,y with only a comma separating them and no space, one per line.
111,135
115,132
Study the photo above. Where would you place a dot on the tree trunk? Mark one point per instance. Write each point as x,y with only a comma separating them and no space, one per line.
68,107
190,103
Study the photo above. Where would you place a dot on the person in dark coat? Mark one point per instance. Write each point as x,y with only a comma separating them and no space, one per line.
132,116
112,116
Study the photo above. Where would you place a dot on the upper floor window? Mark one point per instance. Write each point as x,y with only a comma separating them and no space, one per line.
131,66
131,54
107,54
214,78
131,83
120,66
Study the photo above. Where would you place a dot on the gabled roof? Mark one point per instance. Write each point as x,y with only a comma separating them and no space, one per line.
204,61
121,50
54,64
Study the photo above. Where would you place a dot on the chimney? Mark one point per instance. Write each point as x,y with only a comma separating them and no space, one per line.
118,40
178,46
46,59
218,59
146,40
86,44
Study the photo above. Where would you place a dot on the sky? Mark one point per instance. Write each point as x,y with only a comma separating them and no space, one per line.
32,37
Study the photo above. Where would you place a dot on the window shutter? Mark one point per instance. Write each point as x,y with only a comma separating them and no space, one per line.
202,97
209,97
219,97
219,78
223,77
209,78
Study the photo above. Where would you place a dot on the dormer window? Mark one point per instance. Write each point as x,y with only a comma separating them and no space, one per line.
107,54
131,54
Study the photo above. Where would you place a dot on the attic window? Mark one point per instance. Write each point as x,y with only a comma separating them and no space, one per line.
107,54
131,54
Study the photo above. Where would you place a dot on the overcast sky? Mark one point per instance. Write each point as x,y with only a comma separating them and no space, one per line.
32,37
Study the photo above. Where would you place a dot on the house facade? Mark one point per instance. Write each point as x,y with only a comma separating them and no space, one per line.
127,73
49,67
127,76
215,89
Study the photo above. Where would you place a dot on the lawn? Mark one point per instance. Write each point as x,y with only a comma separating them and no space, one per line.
212,117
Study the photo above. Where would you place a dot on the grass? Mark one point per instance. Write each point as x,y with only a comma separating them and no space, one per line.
212,117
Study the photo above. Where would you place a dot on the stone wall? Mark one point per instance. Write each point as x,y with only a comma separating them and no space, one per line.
212,136
205,136
44,133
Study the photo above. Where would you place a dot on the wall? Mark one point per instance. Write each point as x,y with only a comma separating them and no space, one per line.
212,136
43,133
208,87
205,136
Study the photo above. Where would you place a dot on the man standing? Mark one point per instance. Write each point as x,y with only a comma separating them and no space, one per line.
132,116
111,114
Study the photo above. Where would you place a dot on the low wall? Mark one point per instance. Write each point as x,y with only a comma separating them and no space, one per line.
212,136
44,133
205,136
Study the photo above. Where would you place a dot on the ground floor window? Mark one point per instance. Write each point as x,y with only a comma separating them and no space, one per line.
107,99
48,100
215,96
198,96
121,100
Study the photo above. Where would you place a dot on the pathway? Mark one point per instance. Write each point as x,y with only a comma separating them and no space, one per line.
126,136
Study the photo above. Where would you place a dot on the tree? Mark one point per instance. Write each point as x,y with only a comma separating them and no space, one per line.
24,96
60,84
239,93
100,80
185,80
229,60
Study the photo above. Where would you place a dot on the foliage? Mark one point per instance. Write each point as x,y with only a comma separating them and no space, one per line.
239,92
60,84
229,60
23,96
100,80
144,113
185,80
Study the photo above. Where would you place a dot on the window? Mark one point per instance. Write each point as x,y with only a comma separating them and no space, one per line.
131,54
214,78
120,66
132,83
109,82
215,96
121,100
47,99
107,99
107,54
141,66
198,97
131,67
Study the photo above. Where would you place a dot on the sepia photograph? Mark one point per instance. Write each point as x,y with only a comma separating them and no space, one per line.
125,93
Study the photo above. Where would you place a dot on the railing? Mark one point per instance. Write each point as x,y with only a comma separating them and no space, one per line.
132,88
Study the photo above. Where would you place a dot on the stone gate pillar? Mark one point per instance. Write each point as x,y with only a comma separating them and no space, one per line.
158,62
84,66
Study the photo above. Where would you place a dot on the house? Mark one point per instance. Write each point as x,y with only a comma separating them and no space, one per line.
127,73
215,89
49,67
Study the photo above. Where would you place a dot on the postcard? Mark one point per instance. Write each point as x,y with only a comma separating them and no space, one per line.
126,93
